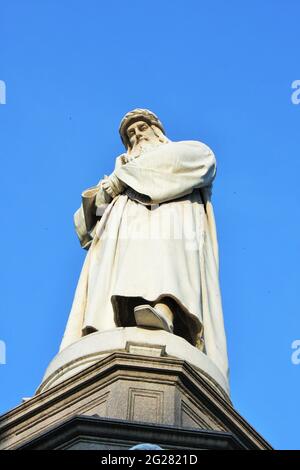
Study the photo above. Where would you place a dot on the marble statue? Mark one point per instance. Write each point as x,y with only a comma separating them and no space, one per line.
149,228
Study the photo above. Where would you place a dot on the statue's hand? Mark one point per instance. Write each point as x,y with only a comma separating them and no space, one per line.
112,185
107,186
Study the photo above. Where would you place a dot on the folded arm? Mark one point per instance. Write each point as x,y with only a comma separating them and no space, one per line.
169,172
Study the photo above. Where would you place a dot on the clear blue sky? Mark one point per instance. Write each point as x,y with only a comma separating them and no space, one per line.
216,71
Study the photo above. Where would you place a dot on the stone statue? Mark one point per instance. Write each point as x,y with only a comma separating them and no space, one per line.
149,229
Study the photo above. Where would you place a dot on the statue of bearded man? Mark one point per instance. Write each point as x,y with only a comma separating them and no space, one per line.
149,229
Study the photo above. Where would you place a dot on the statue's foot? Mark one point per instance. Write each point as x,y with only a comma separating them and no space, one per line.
149,317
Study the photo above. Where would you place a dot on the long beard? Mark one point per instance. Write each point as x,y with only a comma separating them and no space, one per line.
143,147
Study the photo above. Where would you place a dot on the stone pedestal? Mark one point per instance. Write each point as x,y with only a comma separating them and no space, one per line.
143,342
109,392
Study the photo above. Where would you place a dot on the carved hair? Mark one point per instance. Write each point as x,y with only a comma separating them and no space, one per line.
139,114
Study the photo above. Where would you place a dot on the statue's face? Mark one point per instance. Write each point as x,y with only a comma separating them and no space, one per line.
140,132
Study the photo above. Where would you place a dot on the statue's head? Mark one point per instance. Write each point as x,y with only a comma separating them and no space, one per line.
141,128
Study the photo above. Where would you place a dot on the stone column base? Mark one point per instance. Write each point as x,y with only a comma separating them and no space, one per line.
145,342
139,394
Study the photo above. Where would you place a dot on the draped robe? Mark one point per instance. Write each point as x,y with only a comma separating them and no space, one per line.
156,241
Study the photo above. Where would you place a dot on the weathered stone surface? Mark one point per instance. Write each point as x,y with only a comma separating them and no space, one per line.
93,347
148,395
